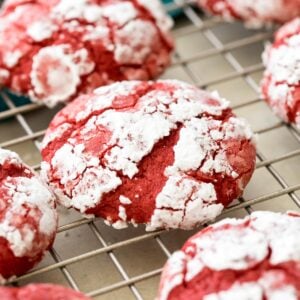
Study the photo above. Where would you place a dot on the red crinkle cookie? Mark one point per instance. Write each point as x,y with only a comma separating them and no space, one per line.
28,218
255,13
40,292
161,153
281,82
256,258
53,50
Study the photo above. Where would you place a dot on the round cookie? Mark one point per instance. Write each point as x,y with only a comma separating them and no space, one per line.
54,50
161,153
40,292
256,258
281,82
28,218
255,13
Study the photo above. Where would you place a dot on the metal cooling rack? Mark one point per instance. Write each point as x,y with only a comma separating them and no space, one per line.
109,264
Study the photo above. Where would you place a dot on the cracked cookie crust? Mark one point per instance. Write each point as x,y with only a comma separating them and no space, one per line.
162,153
255,13
281,82
28,218
54,50
255,258
40,291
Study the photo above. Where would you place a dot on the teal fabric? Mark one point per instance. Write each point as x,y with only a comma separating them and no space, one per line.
175,12
18,100
3,106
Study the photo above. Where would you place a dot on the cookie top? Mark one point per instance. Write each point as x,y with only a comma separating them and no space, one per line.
54,50
256,258
162,153
281,82
28,218
40,292
255,13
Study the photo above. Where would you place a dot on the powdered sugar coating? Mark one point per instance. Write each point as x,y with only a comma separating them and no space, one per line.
125,200
269,285
66,48
28,218
238,259
162,153
40,291
280,85
255,13
164,23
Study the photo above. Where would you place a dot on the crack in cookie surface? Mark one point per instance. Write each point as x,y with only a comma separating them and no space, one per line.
55,50
255,13
28,218
256,258
44,291
173,150
281,83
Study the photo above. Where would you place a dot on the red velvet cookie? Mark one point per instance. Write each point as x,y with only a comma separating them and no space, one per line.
53,50
40,292
281,83
255,13
161,153
28,218
256,258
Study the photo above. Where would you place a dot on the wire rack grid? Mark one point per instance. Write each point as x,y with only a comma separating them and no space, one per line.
108,264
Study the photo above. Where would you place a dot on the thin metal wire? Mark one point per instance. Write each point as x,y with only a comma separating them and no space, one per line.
245,73
115,260
225,48
105,249
196,24
24,124
124,283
